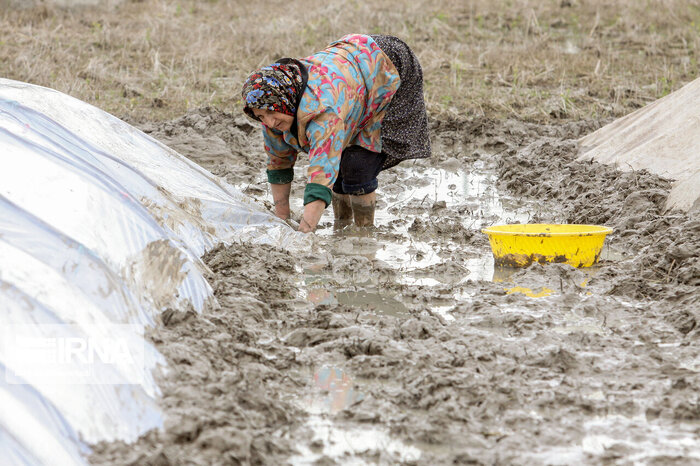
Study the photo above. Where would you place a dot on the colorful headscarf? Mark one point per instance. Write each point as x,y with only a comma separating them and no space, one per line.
275,87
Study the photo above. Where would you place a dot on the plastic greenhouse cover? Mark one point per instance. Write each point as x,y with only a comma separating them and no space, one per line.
101,228
662,137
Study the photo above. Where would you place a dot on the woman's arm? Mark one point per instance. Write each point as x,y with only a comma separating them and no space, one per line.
326,133
312,214
280,198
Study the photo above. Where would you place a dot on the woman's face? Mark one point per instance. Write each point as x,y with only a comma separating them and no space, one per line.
276,120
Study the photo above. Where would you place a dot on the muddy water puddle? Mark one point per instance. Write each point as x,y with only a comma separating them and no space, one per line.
352,446
424,221
634,438
419,207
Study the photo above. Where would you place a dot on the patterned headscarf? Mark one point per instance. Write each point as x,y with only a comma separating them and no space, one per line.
275,87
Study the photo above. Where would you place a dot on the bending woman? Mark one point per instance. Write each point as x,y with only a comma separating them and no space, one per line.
355,107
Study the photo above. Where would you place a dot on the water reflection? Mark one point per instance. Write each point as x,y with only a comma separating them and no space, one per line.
321,296
635,440
368,300
352,446
536,282
536,293
333,391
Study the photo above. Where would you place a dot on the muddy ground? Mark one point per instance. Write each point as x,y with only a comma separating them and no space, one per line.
404,345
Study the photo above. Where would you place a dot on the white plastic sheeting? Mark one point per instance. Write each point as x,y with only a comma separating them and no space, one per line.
32,431
100,226
662,137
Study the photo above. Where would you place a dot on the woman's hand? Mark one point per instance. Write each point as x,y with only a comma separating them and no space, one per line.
280,198
312,214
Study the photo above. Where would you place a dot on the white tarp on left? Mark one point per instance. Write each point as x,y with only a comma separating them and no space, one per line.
101,229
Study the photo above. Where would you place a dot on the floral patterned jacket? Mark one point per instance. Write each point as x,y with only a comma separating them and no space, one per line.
350,85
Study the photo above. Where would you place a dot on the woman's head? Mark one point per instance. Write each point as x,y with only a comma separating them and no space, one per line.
271,94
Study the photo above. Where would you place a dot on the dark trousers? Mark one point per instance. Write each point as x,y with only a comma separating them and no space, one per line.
358,172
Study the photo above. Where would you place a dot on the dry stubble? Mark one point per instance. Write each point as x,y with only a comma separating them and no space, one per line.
529,59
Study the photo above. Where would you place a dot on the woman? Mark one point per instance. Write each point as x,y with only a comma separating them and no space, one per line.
355,107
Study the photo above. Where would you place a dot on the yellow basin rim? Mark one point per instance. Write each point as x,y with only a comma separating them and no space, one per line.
545,229
519,245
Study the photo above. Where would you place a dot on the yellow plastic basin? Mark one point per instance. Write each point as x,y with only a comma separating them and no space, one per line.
522,244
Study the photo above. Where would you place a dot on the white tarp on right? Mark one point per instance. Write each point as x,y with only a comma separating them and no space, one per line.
662,138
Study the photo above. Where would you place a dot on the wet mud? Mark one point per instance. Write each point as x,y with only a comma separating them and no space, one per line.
526,260
404,344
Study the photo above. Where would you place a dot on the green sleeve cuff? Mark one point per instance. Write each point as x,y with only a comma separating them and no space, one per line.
283,176
315,191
